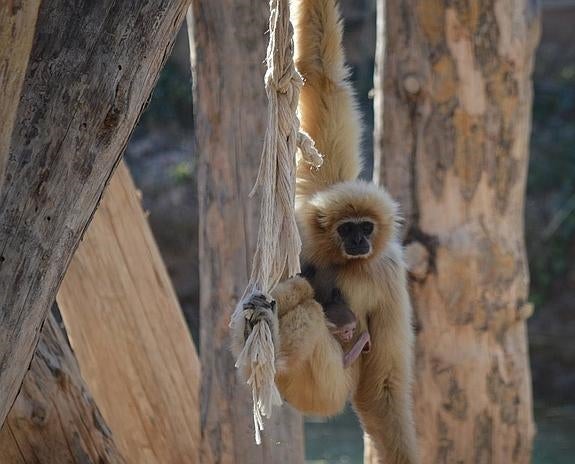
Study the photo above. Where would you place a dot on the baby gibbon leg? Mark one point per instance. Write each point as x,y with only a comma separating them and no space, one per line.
383,400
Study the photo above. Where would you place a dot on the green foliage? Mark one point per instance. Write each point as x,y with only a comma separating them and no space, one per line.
182,172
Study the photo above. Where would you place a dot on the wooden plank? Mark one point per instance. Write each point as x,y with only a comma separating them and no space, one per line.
129,335
54,420
17,25
90,73
228,41
453,108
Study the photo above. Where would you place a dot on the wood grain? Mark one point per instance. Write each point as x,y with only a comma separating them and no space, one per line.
54,419
17,25
453,110
228,41
90,73
129,335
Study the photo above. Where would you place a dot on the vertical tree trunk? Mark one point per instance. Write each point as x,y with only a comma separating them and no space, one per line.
453,116
17,25
90,73
54,420
129,335
228,41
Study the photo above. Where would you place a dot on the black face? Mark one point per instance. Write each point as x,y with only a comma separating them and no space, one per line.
356,237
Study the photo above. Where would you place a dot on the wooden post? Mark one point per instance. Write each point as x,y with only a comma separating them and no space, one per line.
54,420
17,25
228,41
129,335
90,73
453,112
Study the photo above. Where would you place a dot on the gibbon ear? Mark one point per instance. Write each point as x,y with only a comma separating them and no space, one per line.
321,220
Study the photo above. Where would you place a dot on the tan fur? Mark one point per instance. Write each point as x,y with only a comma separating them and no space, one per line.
328,111
312,376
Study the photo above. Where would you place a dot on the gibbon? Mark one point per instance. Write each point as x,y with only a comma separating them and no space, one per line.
349,231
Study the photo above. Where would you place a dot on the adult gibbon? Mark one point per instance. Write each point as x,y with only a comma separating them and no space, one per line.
348,230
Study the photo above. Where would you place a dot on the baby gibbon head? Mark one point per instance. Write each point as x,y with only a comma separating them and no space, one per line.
348,221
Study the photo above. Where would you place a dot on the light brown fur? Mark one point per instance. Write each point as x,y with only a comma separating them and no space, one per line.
311,374
328,111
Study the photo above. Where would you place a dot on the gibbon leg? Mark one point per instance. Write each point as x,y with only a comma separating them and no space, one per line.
311,376
382,401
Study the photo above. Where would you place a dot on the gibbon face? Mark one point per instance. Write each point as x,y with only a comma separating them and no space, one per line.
347,222
355,235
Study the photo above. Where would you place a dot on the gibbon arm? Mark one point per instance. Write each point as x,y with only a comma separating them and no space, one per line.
327,107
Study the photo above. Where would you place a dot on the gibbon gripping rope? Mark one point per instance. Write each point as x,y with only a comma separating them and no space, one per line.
278,243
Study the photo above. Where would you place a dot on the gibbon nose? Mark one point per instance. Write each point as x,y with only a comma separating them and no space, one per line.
357,240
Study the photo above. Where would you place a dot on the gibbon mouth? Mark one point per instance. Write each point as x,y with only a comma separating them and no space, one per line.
357,251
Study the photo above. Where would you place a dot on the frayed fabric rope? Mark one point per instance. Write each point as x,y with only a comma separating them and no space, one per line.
278,242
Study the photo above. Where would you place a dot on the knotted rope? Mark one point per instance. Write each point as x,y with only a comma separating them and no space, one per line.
278,243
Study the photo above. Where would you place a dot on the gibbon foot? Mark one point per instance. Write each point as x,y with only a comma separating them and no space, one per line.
363,345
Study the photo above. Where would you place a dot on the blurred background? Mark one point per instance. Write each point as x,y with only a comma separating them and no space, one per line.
162,161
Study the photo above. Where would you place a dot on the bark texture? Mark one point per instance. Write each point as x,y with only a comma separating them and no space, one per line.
129,335
54,420
17,24
453,112
90,73
228,41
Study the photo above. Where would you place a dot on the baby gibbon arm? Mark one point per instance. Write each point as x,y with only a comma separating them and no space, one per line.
383,396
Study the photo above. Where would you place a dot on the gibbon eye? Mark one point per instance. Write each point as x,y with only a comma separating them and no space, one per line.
366,227
345,229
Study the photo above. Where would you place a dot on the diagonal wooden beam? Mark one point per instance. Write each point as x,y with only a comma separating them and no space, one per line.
90,73
129,335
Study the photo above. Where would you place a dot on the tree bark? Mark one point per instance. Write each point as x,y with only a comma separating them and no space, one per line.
17,25
228,41
452,118
54,420
90,73
129,335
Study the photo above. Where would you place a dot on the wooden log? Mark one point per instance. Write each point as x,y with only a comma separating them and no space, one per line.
17,25
54,420
228,41
129,335
453,109
90,73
